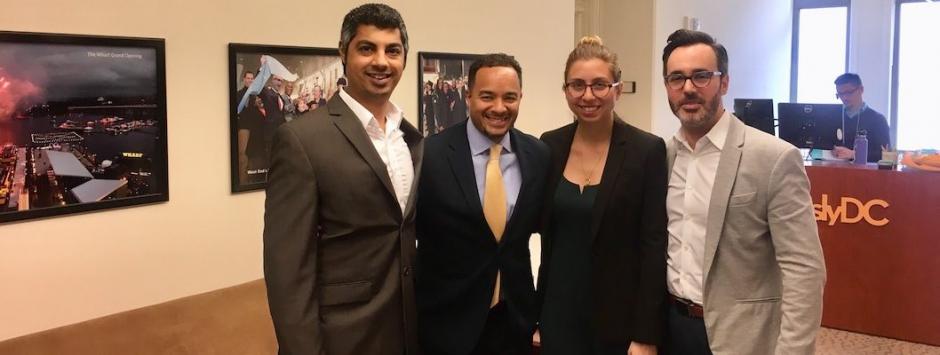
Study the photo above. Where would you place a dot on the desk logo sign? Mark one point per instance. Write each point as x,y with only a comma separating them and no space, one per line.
826,212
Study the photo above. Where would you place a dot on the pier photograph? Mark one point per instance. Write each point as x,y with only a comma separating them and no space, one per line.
82,124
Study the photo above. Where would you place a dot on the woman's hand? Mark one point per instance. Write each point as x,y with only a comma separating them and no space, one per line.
641,349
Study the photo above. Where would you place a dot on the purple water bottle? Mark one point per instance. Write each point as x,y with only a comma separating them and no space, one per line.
861,147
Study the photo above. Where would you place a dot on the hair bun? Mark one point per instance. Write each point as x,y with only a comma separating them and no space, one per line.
592,40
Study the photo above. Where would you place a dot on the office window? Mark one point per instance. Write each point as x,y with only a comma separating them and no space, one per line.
915,120
820,49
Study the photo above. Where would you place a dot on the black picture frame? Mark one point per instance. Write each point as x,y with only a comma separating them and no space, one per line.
314,68
82,123
455,68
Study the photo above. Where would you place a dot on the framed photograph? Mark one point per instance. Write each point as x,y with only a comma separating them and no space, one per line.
269,86
442,90
82,123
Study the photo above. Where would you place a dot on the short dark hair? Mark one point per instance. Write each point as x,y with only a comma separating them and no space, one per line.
849,78
684,38
378,15
249,72
493,60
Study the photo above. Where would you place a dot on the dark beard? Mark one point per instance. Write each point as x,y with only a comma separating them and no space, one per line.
710,111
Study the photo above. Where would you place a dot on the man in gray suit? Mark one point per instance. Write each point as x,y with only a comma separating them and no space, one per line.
339,233
745,267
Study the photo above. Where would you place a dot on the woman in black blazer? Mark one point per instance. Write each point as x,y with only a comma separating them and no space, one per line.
603,273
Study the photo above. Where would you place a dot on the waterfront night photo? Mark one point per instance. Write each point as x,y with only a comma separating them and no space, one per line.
82,123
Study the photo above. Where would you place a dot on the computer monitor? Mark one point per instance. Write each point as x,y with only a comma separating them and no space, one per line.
810,125
757,113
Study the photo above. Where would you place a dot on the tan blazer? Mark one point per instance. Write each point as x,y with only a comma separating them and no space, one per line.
764,271
338,251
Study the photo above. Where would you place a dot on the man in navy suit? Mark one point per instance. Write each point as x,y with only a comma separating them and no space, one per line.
478,203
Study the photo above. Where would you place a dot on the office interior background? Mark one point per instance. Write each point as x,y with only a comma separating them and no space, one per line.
67,269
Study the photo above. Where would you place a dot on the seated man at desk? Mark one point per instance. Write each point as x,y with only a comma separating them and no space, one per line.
857,116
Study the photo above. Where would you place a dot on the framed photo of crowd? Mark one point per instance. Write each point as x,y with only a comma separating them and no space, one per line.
442,90
269,86
82,123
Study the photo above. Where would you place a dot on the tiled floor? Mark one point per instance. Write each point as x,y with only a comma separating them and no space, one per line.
838,342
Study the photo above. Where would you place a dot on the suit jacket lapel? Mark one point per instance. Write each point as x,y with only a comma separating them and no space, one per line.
527,170
351,127
671,151
461,164
415,142
721,191
560,158
612,167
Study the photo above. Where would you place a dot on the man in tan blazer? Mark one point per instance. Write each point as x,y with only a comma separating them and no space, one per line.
745,268
339,234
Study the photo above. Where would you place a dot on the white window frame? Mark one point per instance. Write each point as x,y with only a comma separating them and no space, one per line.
794,53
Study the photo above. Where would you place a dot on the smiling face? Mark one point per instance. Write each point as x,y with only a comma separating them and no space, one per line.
494,101
698,109
590,107
374,63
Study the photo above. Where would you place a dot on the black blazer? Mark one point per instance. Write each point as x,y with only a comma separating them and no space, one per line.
457,254
628,280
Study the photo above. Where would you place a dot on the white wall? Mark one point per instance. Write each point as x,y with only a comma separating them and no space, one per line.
871,51
626,27
62,270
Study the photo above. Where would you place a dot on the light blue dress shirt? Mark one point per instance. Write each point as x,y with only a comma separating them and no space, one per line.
508,165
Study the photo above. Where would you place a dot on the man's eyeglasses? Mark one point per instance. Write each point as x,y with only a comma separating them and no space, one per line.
840,95
578,88
699,79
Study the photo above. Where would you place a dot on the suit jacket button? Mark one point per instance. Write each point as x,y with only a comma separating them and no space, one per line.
407,270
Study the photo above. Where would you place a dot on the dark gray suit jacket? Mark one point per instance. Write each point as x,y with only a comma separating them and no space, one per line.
338,251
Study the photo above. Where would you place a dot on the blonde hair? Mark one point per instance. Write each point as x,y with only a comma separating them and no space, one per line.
591,47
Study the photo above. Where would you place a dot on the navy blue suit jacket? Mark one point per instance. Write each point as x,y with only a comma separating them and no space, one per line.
458,256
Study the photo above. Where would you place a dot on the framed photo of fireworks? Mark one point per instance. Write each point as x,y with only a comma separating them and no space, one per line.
270,86
442,90
82,123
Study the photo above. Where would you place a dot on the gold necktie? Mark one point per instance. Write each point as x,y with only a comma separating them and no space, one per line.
494,204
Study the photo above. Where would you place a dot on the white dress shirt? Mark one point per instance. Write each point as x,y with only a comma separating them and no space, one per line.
390,144
690,191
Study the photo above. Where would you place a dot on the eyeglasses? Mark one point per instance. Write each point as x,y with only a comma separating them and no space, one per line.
700,79
577,88
840,95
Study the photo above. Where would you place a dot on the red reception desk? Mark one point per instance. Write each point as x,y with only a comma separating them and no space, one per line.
880,232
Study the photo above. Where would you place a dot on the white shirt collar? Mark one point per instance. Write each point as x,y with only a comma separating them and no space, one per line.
393,118
716,136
